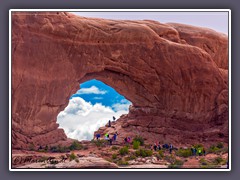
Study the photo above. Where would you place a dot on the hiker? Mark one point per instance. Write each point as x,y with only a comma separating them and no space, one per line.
46,148
114,118
159,146
115,136
165,146
204,152
155,147
106,136
110,140
170,148
192,150
98,136
109,123
199,152
40,147
126,140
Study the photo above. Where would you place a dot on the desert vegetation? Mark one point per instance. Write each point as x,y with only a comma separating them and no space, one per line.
135,153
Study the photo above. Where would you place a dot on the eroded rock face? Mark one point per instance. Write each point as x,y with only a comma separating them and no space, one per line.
174,75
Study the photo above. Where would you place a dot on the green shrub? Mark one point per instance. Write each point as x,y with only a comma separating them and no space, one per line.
114,156
220,145
72,156
131,157
203,161
31,147
63,149
218,160
197,146
121,162
59,148
41,150
208,166
224,150
161,153
171,159
99,143
147,146
176,164
214,164
136,144
213,149
216,150
123,150
115,148
139,139
144,152
75,146
158,156
184,152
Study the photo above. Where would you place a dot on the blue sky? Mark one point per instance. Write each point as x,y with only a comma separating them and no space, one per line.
95,91
91,107
217,21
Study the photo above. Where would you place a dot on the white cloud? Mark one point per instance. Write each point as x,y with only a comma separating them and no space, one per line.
80,118
91,90
98,98
120,107
125,101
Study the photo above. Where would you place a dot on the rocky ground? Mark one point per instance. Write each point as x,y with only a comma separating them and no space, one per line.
99,154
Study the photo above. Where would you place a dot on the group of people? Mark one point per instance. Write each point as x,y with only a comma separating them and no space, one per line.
157,147
195,151
108,138
127,140
200,151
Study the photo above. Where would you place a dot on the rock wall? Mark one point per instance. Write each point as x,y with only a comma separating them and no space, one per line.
175,75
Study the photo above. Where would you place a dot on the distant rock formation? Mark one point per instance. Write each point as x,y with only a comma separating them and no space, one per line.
175,75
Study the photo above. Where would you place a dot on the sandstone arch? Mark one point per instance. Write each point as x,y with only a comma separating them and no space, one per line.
175,75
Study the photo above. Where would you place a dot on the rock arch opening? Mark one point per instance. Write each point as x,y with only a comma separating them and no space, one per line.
171,73
90,108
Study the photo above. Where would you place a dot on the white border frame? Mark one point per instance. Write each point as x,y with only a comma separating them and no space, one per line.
119,10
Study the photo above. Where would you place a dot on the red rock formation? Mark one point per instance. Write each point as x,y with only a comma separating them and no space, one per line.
175,75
